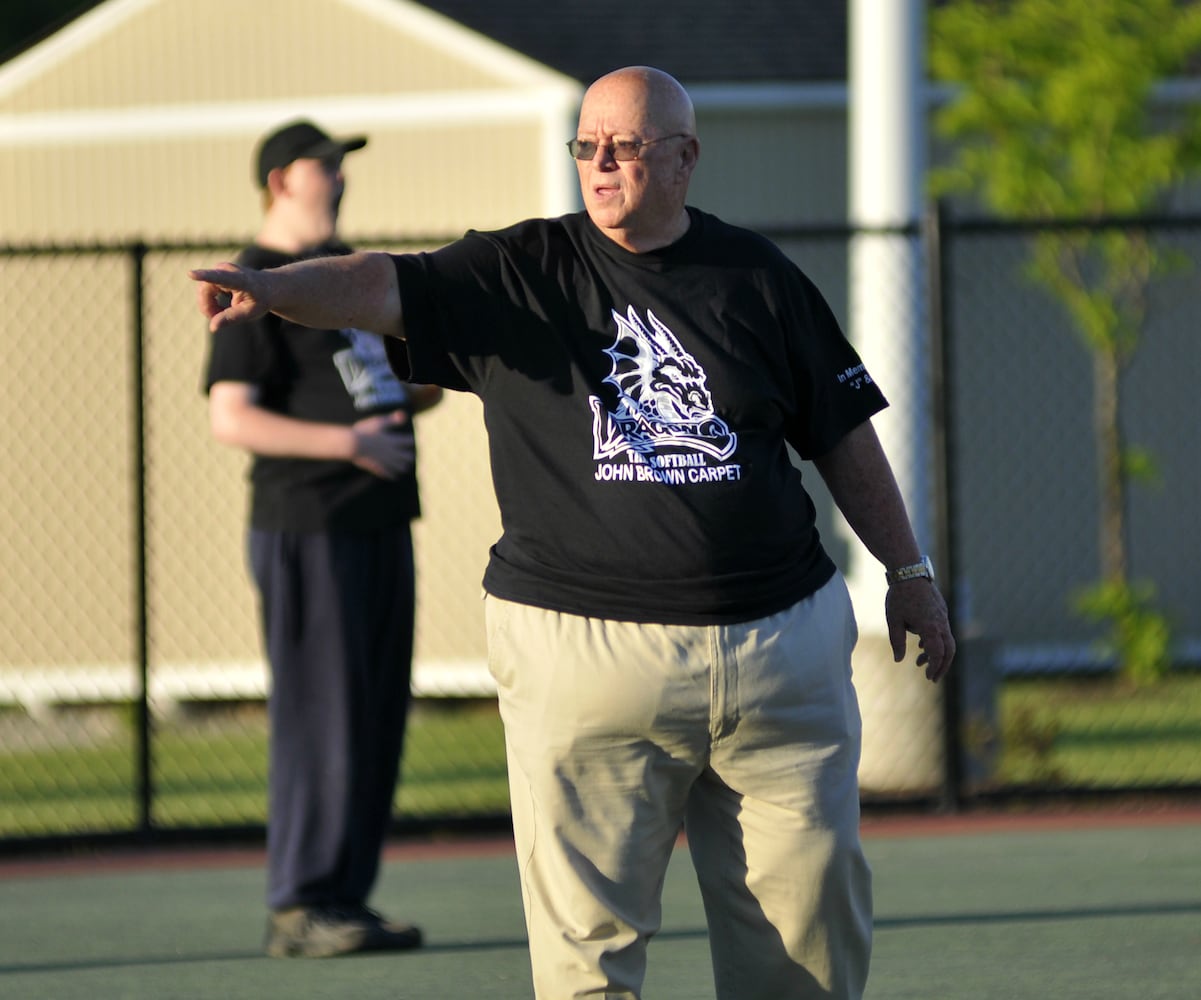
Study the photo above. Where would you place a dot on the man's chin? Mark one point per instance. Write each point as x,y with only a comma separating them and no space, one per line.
605,213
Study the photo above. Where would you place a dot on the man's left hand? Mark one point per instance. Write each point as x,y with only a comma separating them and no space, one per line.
917,606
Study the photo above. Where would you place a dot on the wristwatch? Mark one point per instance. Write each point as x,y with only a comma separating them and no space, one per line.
923,570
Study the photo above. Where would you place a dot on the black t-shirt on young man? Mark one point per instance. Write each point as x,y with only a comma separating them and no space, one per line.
325,376
637,408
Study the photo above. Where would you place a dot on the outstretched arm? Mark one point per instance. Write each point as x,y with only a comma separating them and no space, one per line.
862,484
327,293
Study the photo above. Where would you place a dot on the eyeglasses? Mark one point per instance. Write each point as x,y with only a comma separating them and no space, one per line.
621,149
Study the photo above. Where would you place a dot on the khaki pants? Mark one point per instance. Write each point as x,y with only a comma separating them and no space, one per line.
747,734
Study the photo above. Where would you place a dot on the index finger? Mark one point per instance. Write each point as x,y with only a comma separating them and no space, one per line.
225,275
940,656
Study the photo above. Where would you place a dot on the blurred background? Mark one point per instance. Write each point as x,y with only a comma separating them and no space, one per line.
1029,303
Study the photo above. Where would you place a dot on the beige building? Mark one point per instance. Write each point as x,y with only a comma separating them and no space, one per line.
137,123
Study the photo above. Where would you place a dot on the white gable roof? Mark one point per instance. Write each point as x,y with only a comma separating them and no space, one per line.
133,67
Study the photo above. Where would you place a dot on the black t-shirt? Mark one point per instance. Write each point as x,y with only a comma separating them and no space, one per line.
637,407
325,376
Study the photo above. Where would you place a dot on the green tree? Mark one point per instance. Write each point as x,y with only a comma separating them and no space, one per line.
1052,117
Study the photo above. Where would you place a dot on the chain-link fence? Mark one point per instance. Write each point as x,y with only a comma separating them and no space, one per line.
1073,431
132,688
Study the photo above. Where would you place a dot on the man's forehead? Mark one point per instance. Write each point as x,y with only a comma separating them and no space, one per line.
331,162
608,127
613,119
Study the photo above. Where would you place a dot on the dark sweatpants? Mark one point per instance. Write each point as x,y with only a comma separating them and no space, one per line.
337,613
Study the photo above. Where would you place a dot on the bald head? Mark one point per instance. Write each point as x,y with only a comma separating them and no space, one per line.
654,97
638,202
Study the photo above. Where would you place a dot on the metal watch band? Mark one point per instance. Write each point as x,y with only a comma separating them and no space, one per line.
923,570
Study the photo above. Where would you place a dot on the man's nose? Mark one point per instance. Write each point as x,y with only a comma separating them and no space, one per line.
604,158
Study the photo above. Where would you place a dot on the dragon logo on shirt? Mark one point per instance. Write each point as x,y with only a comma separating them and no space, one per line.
662,396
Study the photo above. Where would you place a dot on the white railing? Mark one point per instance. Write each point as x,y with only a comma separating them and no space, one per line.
39,688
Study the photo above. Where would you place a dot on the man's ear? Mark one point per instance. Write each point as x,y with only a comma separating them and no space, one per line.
276,181
690,153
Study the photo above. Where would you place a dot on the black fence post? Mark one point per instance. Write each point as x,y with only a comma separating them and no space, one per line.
145,780
937,289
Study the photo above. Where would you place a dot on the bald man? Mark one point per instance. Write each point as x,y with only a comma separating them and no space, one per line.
671,643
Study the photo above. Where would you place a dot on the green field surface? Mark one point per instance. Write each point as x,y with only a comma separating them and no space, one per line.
1100,732
76,773
209,768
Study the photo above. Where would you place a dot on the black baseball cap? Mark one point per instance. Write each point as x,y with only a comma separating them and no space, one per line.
300,140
